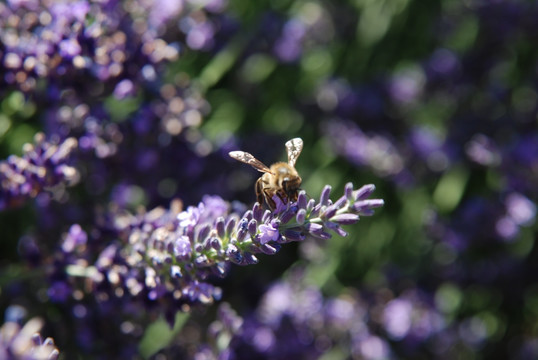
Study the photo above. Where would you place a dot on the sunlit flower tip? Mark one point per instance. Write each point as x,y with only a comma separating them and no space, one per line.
302,200
233,253
345,219
220,270
348,191
182,248
243,223
175,271
293,235
268,233
364,192
189,217
250,259
252,227
325,193
301,215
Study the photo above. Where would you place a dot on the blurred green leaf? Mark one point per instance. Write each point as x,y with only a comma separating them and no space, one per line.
159,334
449,190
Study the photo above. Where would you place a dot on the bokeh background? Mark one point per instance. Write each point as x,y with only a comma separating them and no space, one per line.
434,102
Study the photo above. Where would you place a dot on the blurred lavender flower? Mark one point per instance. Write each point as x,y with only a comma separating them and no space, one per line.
43,167
25,342
409,316
375,151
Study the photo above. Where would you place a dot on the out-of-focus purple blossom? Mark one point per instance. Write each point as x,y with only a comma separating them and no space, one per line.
44,167
406,86
520,209
483,151
408,316
25,342
124,89
374,151
443,62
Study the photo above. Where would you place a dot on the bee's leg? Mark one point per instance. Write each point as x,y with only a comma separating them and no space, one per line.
260,194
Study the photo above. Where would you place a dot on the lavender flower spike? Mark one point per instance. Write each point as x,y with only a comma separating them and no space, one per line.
168,257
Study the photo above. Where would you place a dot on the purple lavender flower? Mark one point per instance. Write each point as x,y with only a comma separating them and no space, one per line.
170,257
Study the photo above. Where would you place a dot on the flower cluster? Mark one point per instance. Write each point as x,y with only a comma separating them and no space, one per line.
106,39
24,342
44,166
168,256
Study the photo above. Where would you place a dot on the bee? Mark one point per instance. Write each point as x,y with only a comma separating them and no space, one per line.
280,179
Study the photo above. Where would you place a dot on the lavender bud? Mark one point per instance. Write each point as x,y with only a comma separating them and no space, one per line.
220,270
310,205
243,224
253,227
301,200
266,215
250,259
257,211
340,202
202,233
36,339
216,243
345,219
361,206
230,225
324,198
313,228
234,254
247,215
241,235
348,191
329,212
293,235
219,226
270,249
364,192
322,235
301,215
315,211
286,216
336,228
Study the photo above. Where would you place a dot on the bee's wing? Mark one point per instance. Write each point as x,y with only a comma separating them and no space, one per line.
248,158
294,147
